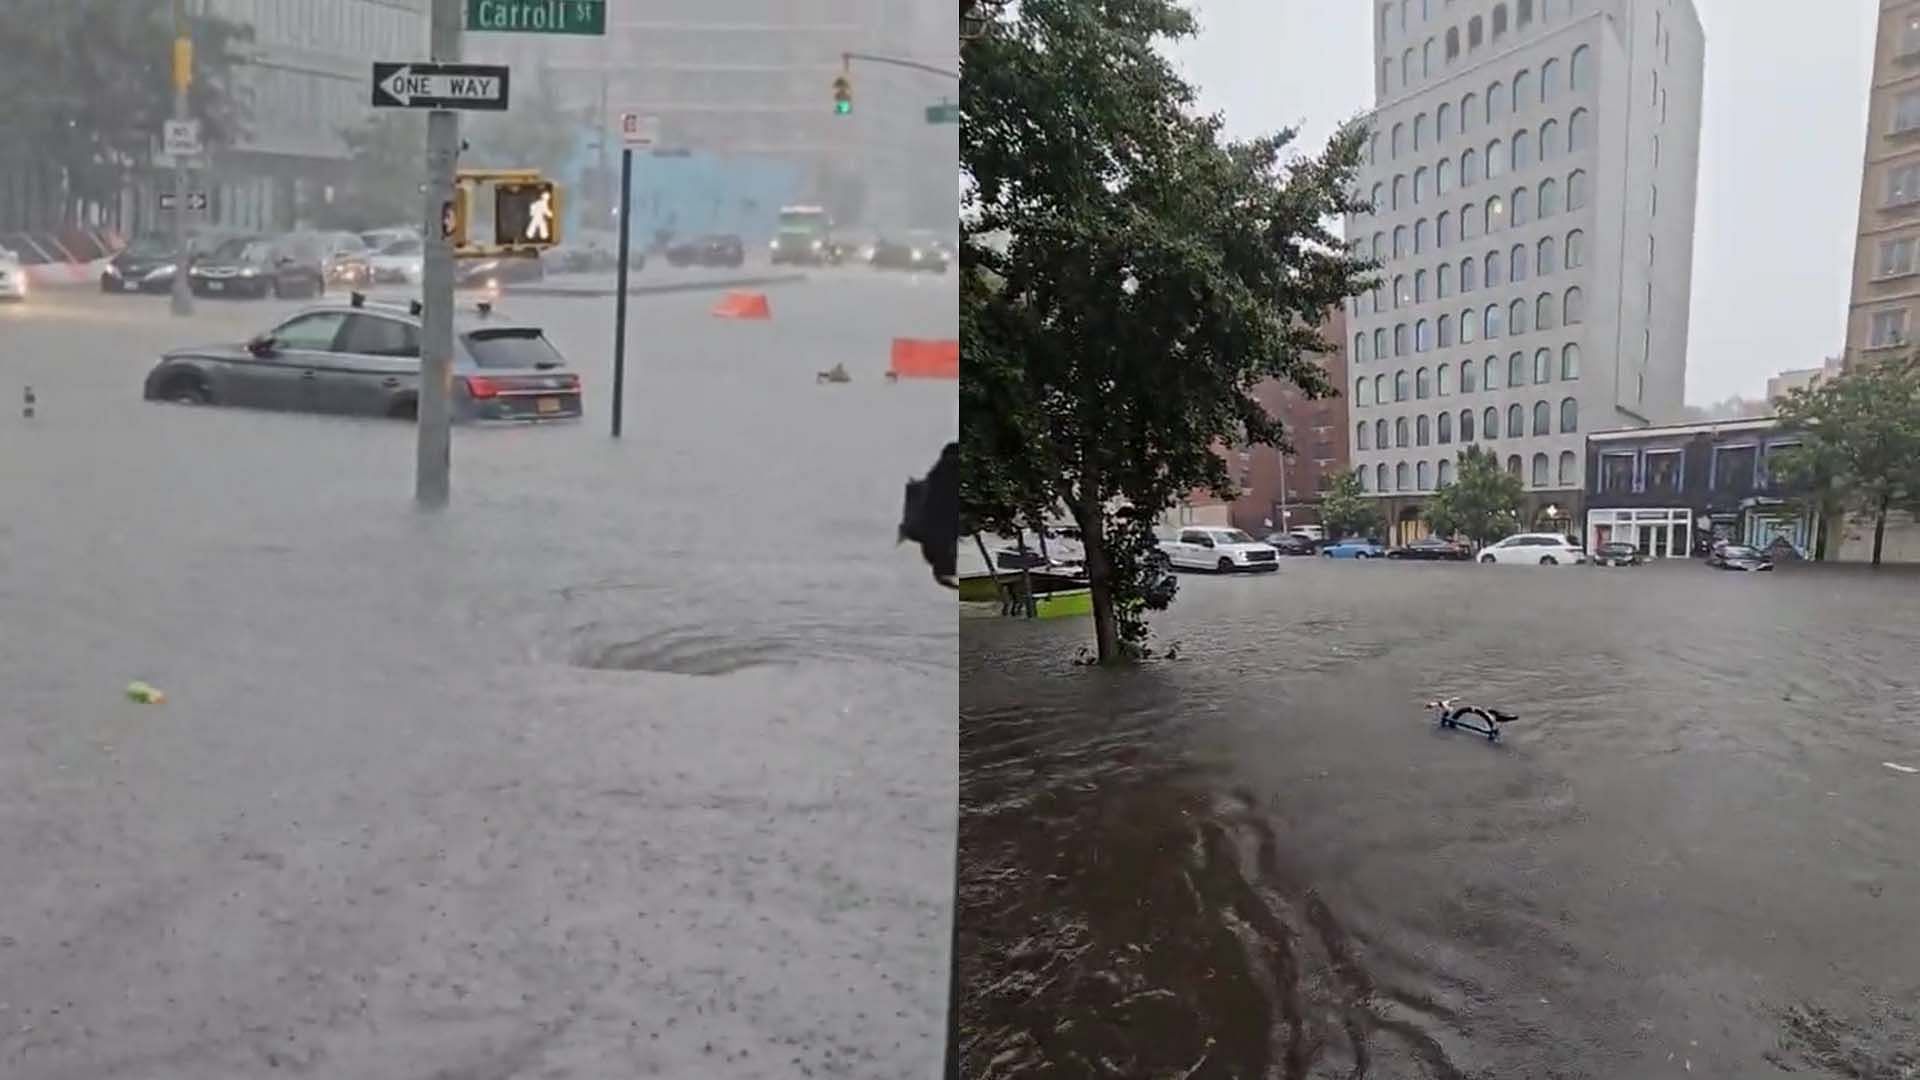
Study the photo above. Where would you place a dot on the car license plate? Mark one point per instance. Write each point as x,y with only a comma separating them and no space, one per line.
548,405
216,286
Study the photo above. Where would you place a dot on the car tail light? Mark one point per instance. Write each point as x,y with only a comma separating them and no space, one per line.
481,387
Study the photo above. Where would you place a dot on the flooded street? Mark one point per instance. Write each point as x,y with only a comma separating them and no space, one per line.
1263,860
636,761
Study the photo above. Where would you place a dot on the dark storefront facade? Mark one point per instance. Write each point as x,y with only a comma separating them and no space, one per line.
1672,491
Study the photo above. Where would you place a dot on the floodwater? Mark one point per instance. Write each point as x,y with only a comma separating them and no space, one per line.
637,760
1263,860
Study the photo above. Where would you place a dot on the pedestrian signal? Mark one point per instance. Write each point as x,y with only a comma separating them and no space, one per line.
526,214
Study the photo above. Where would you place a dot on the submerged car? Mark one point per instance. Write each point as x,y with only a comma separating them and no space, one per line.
363,359
1289,543
146,265
399,262
1354,548
1431,548
1616,553
1738,557
1221,549
917,250
256,267
717,249
1535,549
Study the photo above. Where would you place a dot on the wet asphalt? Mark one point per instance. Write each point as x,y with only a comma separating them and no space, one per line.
1262,859
638,760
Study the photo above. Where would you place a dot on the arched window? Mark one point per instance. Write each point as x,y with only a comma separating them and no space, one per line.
1443,283
1399,143
1476,32
1453,43
1496,269
1380,477
1517,317
1496,322
1582,68
1422,335
1466,425
1470,223
1490,423
1549,198
1380,343
1406,68
1360,387
1543,312
1443,380
1386,75
1517,258
1380,434
1575,311
1443,230
1496,213
1516,376
1543,366
1469,116
1496,101
1422,430
1426,59
1524,14
1443,120
1443,429
1400,385
1577,190
1490,373
1361,436
1522,206
1422,384
1513,462
1469,370
1549,80
1400,476
1569,416
1399,245
1523,91
1540,470
1379,245
1445,471
1499,21
1400,432
1496,159
1549,140
1569,469
1570,362
1579,131
1400,340
1443,176
1522,150
1419,132
1373,149
1469,326
1576,254
1366,478
1516,421
1360,347
1425,476
1421,230
1469,273
1469,168
1399,196
1419,283
1420,179
1446,328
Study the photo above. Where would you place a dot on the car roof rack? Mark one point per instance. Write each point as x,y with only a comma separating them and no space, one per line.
359,299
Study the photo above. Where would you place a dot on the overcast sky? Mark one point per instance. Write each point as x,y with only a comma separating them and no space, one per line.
1780,152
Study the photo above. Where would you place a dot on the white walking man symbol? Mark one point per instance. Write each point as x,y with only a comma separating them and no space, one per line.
540,217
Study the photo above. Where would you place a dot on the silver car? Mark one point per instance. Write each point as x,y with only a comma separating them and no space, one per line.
363,359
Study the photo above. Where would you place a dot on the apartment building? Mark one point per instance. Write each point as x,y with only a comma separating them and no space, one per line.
1532,169
1886,267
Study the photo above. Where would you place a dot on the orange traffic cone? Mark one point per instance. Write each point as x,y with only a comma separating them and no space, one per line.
743,305
918,358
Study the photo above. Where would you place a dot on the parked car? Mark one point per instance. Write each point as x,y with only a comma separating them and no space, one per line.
399,262
714,250
917,249
491,273
381,239
13,276
1739,557
1431,548
363,358
258,267
1289,543
1616,553
1353,548
1220,549
146,265
344,258
1535,549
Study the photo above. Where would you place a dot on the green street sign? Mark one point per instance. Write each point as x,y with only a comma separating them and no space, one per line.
947,112
538,16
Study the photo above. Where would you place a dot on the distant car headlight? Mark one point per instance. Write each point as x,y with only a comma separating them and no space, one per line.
916,253
817,245
248,271
773,245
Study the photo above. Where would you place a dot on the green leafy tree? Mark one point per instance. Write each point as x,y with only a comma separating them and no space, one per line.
1345,509
1128,278
1860,449
1483,502
88,85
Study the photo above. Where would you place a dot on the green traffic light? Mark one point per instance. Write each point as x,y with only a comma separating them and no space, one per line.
842,107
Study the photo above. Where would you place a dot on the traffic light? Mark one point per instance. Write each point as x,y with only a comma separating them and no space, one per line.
842,95
526,214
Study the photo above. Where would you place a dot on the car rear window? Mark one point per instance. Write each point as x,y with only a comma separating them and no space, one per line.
520,348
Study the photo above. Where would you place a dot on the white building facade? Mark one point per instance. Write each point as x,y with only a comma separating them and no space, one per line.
1532,169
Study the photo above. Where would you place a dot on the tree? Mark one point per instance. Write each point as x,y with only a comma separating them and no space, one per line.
1860,449
88,85
1128,278
1483,502
1345,509
388,165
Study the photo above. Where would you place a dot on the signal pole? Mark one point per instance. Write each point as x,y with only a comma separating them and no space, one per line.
434,453
182,302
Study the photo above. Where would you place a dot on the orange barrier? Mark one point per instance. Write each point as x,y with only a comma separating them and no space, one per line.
922,358
743,305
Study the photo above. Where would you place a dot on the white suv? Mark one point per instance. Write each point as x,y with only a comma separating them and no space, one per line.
1222,549
1534,549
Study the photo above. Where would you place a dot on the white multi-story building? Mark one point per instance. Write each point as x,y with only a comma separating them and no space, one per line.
1532,168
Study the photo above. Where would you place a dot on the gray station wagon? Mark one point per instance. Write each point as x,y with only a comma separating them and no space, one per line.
363,359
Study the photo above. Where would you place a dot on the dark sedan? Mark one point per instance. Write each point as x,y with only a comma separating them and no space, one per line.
1617,553
715,250
146,265
1736,557
919,250
363,359
253,266
1289,544
1431,548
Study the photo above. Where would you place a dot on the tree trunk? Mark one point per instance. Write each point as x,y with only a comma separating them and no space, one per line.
1880,527
1106,629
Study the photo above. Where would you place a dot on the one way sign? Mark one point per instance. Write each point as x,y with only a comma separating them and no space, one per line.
440,86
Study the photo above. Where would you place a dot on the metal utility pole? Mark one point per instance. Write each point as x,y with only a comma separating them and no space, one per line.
1285,511
182,78
434,459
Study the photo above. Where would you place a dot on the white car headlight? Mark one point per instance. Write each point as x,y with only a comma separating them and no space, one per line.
248,271
916,253
816,245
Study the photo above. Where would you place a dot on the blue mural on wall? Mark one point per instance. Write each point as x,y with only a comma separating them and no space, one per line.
686,192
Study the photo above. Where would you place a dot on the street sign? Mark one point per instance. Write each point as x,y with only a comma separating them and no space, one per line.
180,138
196,201
947,112
526,214
640,132
440,86
538,16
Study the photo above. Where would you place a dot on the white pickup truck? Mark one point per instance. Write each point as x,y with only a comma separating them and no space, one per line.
1208,547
